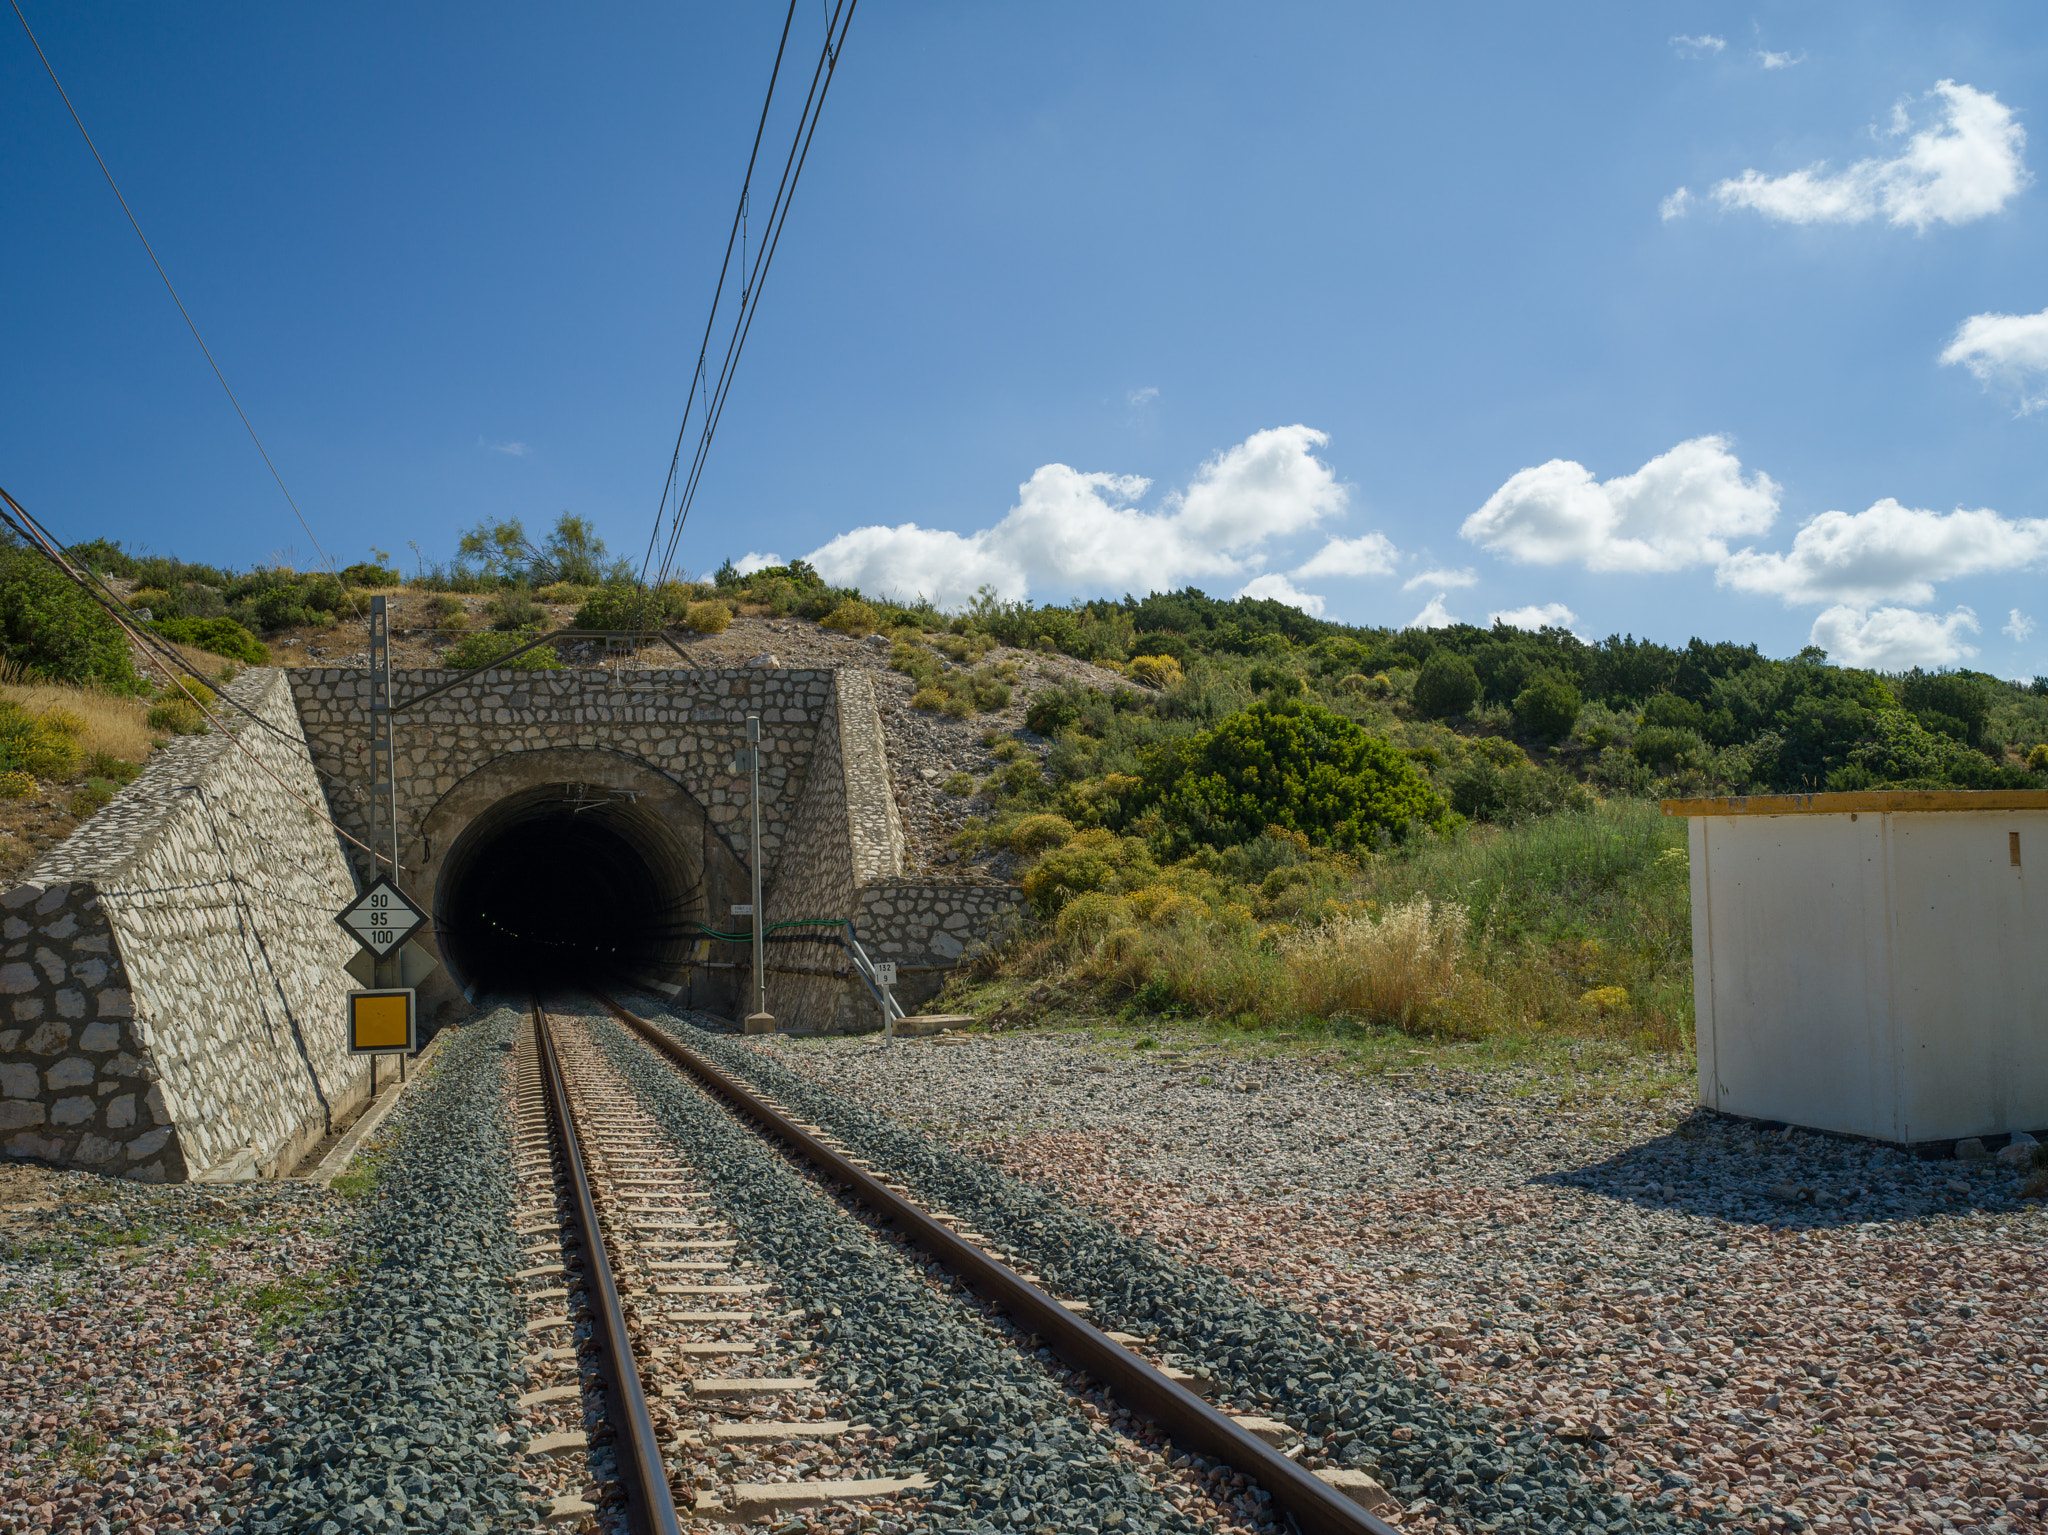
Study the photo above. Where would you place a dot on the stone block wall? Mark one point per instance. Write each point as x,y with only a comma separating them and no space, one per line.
687,724
927,926
846,832
171,991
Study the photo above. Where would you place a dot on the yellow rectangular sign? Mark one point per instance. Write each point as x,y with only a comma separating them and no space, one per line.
381,1022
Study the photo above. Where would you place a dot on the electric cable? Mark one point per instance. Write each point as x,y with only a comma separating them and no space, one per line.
838,22
172,290
41,541
710,320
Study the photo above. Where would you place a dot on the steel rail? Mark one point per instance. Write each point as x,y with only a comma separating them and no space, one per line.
1192,1423
650,1507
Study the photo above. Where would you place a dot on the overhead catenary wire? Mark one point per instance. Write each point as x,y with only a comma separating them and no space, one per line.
838,22
39,539
190,323
718,292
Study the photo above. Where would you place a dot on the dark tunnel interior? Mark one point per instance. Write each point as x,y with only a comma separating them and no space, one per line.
561,890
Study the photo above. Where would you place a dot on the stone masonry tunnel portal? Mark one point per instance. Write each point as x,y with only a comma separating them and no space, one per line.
566,884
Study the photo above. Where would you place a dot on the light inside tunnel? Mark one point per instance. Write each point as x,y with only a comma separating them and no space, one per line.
563,885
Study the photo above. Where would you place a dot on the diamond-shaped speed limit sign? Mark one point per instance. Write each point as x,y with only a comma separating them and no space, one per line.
381,918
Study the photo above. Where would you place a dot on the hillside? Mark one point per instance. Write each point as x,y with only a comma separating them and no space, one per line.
1225,810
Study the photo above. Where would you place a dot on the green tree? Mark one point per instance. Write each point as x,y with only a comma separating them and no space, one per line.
49,626
1548,707
1297,766
1447,685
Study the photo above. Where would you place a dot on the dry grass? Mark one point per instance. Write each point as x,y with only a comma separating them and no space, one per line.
1391,970
110,723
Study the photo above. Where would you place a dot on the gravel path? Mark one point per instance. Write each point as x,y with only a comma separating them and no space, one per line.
1773,1331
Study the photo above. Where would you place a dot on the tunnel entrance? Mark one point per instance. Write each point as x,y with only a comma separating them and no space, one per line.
566,884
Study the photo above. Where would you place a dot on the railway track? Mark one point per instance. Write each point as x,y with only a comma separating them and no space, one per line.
674,1389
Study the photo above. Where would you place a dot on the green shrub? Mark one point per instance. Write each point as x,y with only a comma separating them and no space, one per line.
44,746
1298,767
51,628
16,785
1094,860
1037,833
178,716
2037,759
852,617
222,636
91,795
514,610
1666,747
487,646
1484,790
959,785
708,618
104,764
563,592
1447,685
621,605
1548,707
368,574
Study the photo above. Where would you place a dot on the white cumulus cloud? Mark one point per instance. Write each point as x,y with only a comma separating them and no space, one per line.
1143,396
1964,167
1888,553
1771,60
1679,509
1550,615
1433,615
1443,580
1277,587
1369,554
2008,350
1894,639
1676,205
2017,627
750,562
1076,531
1699,47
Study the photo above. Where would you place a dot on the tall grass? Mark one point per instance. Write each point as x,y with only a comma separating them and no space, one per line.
108,722
1576,923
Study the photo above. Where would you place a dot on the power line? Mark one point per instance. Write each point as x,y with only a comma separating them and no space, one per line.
738,223
172,290
837,24
39,538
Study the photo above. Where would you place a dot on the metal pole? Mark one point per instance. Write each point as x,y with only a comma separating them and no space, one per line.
760,1021
385,968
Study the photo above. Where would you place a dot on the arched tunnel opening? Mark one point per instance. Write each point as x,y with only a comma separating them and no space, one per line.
566,885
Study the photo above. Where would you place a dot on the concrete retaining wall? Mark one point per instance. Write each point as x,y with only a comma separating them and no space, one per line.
170,976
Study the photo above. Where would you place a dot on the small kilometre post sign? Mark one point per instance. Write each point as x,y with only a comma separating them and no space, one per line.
381,918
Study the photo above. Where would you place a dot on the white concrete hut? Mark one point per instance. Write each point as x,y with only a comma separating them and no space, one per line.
1872,963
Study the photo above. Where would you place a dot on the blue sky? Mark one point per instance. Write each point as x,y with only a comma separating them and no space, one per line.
1392,313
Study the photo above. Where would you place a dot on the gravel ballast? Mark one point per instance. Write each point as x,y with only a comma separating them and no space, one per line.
1005,1447
1778,1331
1357,1407
392,1416
134,1325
